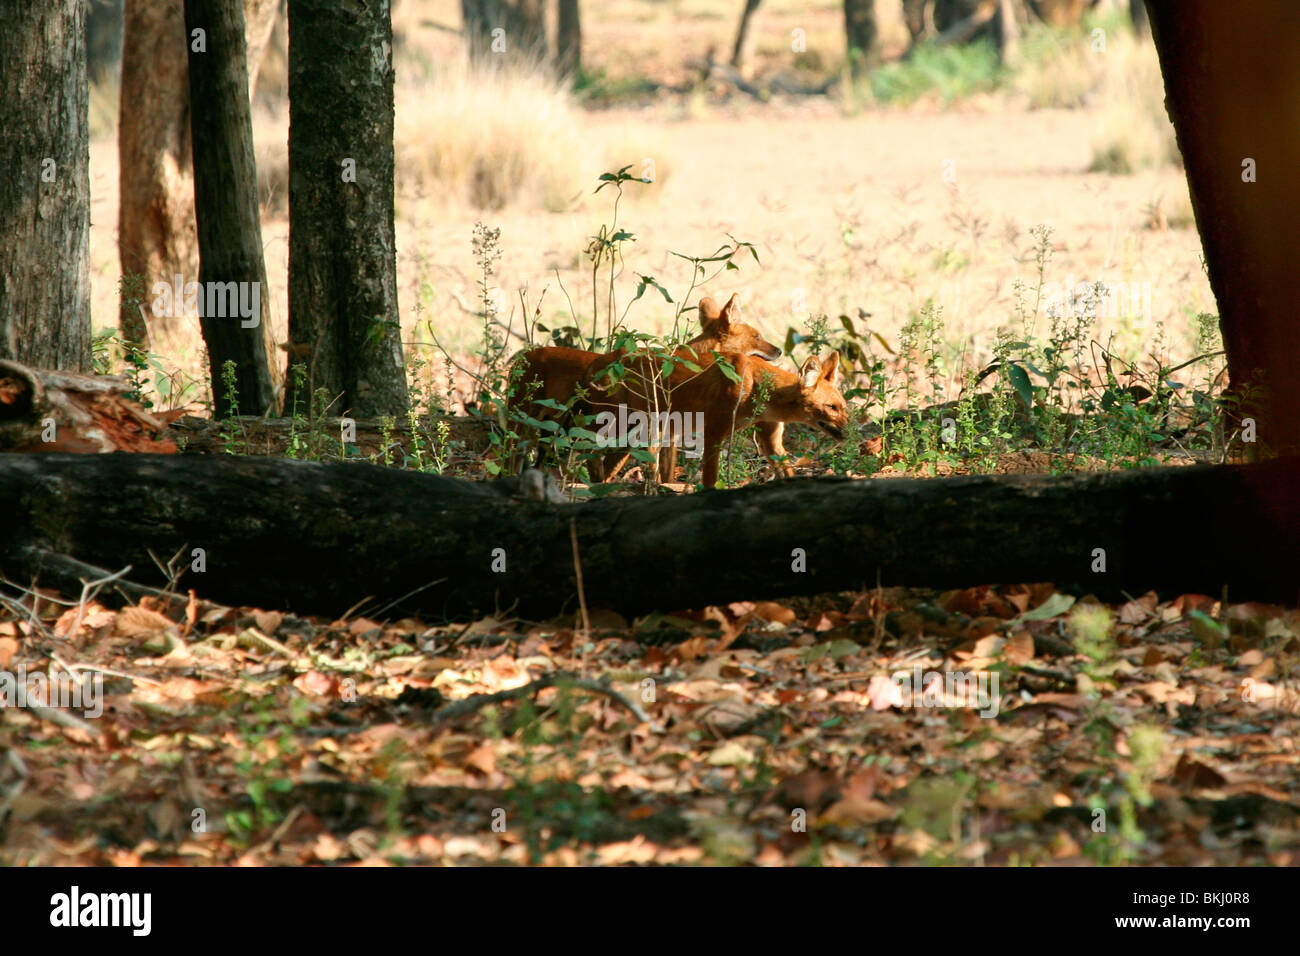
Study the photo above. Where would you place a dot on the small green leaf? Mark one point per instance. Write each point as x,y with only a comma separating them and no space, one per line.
1020,382
1054,606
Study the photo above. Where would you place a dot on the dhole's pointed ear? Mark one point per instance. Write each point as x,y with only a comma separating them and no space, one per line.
708,310
831,369
731,311
810,372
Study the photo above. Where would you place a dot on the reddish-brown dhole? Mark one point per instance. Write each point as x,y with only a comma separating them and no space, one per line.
556,373
813,396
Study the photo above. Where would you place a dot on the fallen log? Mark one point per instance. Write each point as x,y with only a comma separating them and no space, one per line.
48,411
316,538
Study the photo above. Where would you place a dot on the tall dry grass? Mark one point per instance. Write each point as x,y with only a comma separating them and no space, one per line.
492,136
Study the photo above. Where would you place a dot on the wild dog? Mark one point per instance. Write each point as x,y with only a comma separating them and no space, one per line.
725,404
559,373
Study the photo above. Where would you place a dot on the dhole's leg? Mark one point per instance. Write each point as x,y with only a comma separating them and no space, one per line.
668,463
613,463
771,443
714,436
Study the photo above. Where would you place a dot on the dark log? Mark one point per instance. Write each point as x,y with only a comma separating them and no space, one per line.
317,538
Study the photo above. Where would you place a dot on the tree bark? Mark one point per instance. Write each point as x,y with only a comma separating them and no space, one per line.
1008,30
317,538
104,39
156,237
740,48
45,187
1215,57
226,209
568,39
1137,11
522,24
156,231
343,320
863,37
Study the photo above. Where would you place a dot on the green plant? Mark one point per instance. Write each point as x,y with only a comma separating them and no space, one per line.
234,436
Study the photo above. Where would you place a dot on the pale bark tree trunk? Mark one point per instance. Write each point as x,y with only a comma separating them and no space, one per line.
1008,30
225,205
343,322
156,233
45,186
156,239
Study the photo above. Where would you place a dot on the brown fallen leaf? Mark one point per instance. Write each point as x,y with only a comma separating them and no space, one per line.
854,811
1195,772
316,684
1019,648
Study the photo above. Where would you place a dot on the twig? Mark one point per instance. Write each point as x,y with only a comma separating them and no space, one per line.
577,570
392,604
279,831
63,719
253,636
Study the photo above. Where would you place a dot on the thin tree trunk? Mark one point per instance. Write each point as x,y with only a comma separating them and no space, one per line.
568,39
739,50
863,38
1008,30
45,185
343,320
236,327
1137,11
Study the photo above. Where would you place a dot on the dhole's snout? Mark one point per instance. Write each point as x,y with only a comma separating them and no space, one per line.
835,431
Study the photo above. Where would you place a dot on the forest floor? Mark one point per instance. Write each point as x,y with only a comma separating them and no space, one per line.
1042,731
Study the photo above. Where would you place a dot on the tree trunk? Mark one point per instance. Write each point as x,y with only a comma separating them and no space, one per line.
259,21
45,187
1008,30
522,26
863,37
317,538
740,50
156,232
568,39
104,39
1137,11
343,321
234,307
530,19
156,238
1241,169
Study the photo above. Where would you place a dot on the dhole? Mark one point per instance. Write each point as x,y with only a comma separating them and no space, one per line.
813,396
558,372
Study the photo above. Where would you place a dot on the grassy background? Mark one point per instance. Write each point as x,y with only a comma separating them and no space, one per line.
918,186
